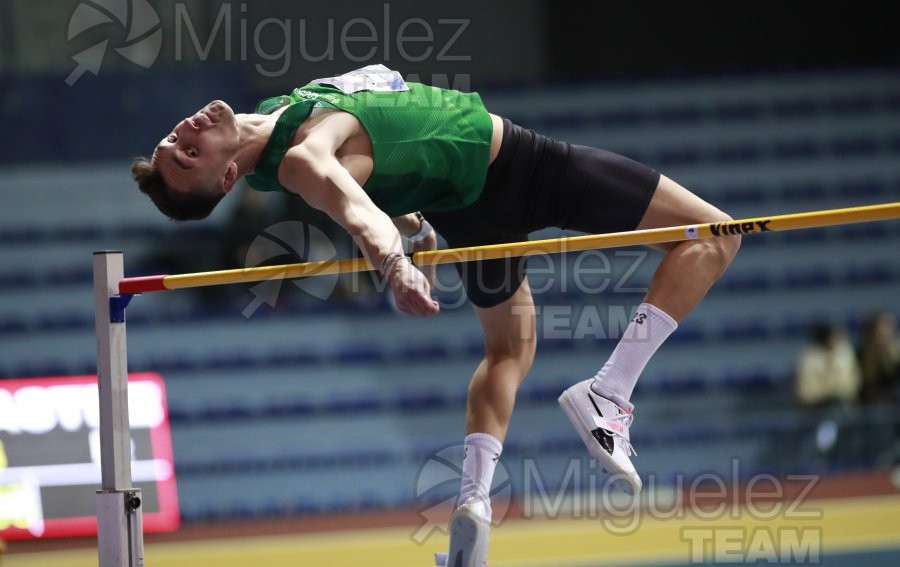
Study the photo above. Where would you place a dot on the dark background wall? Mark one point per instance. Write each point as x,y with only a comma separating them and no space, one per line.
243,51
640,38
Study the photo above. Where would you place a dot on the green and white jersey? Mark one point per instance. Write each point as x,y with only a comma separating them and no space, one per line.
431,146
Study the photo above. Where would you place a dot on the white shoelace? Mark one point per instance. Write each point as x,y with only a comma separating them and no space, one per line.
625,420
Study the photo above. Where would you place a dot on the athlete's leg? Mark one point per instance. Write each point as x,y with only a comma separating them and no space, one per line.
682,279
502,300
689,268
509,345
600,408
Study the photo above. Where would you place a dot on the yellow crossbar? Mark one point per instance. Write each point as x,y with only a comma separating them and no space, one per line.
756,225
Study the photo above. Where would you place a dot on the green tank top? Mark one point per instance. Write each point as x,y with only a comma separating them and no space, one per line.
431,146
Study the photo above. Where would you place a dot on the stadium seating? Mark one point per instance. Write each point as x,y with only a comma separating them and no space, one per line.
317,406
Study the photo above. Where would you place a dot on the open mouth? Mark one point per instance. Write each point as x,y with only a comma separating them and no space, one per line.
202,120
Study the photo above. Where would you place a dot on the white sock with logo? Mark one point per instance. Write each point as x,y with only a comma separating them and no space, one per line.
648,329
482,453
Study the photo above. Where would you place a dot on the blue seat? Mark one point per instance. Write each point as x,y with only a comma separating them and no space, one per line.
138,231
796,108
172,362
738,112
856,147
541,393
231,360
740,195
225,411
281,407
41,368
861,188
688,332
76,233
746,281
359,353
474,346
807,278
422,401
555,344
69,277
18,280
755,381
744,329
804,191
366,403
871,274
63,322
274,508
809,235
572,120
799,326
690,434
738,153
298,356
13,325
865,231
673,115
620,118
684,384
85,367
790,150
679,156
853,105
426,350
29,236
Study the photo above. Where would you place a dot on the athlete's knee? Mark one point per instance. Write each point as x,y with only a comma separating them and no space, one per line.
518,355
726,247
515,353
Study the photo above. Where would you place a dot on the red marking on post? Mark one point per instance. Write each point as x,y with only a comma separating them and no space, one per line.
143,284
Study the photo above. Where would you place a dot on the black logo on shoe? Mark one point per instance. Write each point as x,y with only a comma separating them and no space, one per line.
601,435
605,439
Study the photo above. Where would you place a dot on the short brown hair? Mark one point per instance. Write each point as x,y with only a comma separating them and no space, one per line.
192,206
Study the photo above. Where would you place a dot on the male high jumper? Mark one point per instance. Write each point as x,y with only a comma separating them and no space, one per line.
379,156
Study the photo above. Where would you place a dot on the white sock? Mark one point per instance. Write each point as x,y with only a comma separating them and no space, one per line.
648,329
482,453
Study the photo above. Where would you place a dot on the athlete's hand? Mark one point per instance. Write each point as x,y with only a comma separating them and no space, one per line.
427,244
412,292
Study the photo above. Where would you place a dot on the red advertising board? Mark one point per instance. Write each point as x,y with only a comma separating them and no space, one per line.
50,455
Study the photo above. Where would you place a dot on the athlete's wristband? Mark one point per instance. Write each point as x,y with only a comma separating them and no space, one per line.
389,262
425,230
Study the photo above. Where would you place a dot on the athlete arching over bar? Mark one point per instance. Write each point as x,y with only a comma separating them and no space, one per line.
367,146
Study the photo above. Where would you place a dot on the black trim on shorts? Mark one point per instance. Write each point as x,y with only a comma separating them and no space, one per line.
537,182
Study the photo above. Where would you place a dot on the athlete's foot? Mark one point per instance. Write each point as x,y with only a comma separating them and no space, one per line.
603,426
470,532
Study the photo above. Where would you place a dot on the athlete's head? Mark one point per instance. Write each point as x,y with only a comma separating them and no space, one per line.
193,166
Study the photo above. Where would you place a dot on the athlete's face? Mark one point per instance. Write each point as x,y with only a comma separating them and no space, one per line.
197,155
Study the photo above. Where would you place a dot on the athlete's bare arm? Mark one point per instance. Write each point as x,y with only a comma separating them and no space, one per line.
407,225
326,170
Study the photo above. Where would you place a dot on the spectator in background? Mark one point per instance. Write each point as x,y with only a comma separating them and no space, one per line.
827,370
879,358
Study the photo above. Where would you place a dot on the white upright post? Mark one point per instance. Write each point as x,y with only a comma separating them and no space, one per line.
119,525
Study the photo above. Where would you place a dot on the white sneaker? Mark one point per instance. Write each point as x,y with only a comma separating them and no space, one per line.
603,426
470,533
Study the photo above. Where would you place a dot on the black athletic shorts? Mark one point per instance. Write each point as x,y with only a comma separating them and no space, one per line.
537,182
